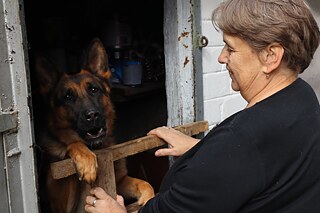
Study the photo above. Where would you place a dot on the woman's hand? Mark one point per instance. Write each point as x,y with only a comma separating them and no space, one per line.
179,143
100,202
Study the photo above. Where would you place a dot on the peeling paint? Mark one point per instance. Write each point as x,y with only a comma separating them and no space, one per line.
13,152
186,61
183,34
10,28
9,109
10,60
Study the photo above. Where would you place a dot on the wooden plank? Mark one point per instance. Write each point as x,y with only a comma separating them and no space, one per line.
62,169
66,167
193,128
135,146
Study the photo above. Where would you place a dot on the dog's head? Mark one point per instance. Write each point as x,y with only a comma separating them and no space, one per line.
79,106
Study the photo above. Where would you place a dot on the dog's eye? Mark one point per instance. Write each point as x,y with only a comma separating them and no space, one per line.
93,90
68,96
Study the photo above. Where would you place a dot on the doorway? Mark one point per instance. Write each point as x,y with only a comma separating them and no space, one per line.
131,31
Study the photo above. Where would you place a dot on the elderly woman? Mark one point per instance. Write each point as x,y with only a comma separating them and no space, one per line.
265,158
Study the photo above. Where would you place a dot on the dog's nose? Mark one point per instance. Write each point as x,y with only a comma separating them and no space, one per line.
92,115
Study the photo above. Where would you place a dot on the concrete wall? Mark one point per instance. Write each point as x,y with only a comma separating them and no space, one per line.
220,101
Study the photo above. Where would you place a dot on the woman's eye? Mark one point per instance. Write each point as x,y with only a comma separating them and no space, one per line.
230,50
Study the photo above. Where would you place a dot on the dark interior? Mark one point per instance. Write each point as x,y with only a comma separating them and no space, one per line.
132,33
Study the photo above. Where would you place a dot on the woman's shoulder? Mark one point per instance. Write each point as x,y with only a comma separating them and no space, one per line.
286,106
270,119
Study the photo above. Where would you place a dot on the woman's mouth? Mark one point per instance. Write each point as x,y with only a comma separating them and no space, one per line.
230,74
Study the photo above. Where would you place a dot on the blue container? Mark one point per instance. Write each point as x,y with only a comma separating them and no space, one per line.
116,68
132,73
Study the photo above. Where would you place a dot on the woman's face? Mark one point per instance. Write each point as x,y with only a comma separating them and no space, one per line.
243,64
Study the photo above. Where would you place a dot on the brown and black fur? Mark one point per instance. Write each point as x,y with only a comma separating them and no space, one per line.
77,117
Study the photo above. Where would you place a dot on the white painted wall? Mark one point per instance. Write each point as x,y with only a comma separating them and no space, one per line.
220,101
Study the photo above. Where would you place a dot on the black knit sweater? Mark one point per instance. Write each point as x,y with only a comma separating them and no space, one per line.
263,159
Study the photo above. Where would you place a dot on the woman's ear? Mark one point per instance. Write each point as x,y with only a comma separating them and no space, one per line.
272,56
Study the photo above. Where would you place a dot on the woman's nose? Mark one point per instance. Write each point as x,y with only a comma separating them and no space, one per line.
222,59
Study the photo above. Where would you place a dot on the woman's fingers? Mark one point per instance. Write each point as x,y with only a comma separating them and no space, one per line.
90,200
178,142
166,133
100,201
161,132
120,200
89,208
165,152
99,193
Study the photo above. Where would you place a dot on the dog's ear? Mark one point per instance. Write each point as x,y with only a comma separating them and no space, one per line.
47,75
96,60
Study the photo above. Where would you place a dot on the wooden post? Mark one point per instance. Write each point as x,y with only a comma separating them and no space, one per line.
106,177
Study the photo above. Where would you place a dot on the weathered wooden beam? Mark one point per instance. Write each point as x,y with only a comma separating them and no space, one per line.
62,169
106,176
66,167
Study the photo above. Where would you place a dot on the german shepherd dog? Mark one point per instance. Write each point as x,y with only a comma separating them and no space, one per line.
78,117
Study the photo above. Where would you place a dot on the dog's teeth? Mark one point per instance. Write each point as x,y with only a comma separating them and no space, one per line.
95,135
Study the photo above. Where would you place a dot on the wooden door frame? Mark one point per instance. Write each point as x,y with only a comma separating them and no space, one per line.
182,60
19,185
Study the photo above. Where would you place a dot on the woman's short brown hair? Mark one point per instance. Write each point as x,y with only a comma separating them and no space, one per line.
262,22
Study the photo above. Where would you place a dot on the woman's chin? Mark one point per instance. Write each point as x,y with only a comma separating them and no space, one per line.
235,86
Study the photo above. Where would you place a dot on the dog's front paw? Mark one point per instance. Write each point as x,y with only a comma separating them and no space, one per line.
85,161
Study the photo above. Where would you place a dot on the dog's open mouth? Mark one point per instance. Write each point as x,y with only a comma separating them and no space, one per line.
95,133
95,137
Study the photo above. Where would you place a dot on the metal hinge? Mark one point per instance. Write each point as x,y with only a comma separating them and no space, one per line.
202,41
8,121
